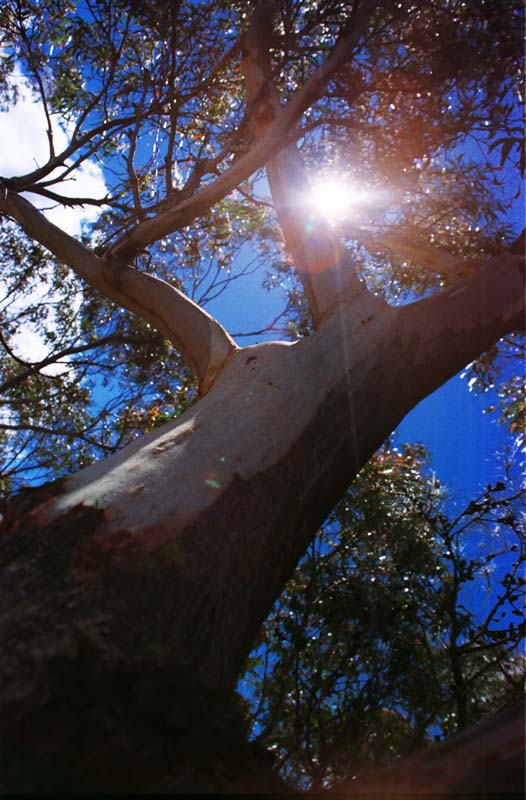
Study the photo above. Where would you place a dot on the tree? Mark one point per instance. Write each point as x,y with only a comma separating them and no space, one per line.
380,643
140,582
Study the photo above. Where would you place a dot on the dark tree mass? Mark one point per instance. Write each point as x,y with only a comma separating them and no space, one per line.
219,572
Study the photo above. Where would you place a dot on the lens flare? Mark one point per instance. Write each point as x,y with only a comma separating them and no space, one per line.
336,198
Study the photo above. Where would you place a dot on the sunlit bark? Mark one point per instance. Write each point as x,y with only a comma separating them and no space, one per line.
132,591
163,560
432,258
198,336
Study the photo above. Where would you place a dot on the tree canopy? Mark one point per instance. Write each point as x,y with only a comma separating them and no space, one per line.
400,626
413,114
361,157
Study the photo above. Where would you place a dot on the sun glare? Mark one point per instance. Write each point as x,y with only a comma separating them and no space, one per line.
336,198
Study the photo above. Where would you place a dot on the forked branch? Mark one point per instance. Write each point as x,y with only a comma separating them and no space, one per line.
198,336
432,258
275,139
322,263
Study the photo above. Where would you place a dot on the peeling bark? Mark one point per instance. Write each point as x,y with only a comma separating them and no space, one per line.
132,590
150,573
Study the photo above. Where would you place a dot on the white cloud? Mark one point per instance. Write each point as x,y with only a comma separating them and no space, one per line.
28,344
23,147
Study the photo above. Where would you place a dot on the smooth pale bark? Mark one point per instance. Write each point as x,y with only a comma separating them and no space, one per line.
198,336
179,215
132,591
435,259
322,263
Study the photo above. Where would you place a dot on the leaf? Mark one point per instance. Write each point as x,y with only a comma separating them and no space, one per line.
506,147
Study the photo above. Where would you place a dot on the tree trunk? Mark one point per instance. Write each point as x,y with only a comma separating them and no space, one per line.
132,591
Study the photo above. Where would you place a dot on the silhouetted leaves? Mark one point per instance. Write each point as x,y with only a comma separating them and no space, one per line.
396,628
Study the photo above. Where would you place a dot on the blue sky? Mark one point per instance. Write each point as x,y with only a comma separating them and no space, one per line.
451,423
462,440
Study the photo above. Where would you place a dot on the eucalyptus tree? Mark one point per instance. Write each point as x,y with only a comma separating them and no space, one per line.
140,582
401,625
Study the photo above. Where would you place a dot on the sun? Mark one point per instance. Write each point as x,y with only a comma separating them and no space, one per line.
331,197
337,198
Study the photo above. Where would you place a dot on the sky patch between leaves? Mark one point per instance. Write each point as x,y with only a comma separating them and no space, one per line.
24,146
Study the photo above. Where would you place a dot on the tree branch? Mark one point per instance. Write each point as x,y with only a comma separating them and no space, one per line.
466,318
34,369
25,182
489,757
198,336
435,259
28,426
323,265
275,139
64,200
